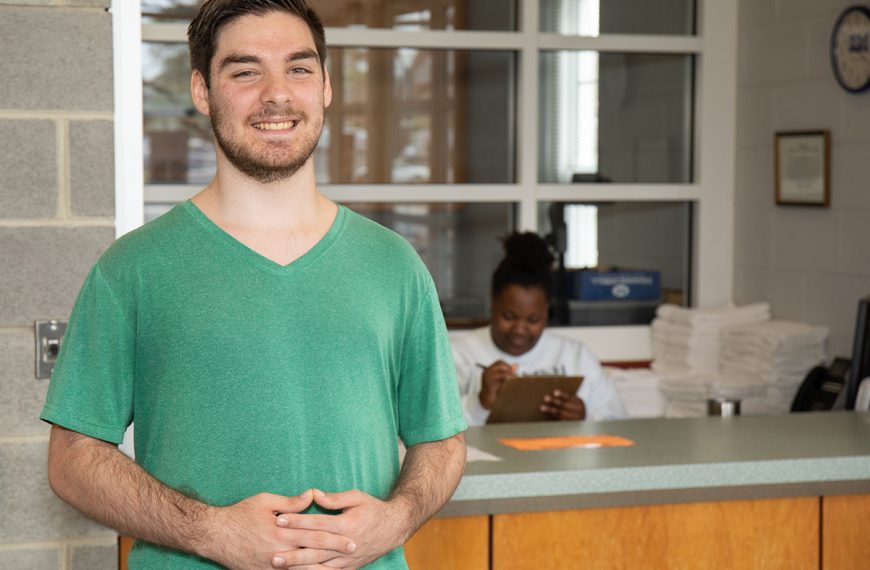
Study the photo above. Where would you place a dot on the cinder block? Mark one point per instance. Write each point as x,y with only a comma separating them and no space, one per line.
95,558
43,269
24,395
28,3
56,59
92,168
32,512
89,3
28,161
43,559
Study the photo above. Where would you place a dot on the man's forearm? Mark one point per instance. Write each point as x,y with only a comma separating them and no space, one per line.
100,481
429,476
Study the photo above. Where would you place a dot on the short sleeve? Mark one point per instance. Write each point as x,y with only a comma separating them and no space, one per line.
91,389
428,395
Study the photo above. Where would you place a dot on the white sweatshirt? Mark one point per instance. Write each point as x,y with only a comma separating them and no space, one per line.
552,354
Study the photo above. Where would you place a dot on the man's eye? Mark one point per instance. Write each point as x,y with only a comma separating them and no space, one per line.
300,70
240,74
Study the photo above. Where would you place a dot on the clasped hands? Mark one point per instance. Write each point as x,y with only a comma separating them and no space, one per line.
559,404
270,531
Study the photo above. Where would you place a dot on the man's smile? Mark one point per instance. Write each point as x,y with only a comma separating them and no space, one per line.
272,126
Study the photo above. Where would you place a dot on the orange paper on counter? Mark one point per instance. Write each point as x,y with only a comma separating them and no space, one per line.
563,442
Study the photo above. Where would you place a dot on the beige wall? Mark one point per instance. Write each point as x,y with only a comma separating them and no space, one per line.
812,264
56,217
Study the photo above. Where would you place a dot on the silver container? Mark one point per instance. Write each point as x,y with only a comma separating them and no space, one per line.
723,407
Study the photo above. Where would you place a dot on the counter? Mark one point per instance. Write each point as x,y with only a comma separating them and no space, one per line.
672,461
790,491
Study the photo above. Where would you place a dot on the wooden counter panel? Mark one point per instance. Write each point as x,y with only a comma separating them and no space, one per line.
733,535
460,543
846,532
125,543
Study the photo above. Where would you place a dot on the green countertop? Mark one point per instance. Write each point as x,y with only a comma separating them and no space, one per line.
672,461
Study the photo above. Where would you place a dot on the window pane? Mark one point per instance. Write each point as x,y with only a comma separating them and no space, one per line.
169,10
614,117
397,116
416,116
408,15
594,17
178,144
460,245
643,250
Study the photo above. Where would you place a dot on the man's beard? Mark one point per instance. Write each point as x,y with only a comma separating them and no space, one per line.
277,162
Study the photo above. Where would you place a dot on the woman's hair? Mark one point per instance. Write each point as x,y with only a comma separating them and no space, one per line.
527,262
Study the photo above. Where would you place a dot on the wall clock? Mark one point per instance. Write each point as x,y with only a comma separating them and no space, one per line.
850,49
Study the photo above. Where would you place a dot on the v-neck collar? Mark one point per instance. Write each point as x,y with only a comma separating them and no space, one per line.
244,252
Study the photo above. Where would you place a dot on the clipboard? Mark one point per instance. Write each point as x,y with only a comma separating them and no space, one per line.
520,397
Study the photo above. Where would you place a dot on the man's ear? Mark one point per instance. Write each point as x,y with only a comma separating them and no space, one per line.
327,89
199,92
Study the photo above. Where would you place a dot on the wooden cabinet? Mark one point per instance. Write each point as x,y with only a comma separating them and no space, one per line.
819,533
460,543
846,532
733,535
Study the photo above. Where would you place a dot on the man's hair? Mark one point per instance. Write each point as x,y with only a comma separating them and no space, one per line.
527,263
215,14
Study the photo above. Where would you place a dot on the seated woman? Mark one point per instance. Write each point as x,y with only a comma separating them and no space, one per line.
517,343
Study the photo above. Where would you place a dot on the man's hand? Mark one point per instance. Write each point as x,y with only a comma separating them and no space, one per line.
245,535
375,526
493,378
564,406
96,478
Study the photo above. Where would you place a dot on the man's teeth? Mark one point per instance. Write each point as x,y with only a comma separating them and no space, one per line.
275,126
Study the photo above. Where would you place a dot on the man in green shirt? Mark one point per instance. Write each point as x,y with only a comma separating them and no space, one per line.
271,346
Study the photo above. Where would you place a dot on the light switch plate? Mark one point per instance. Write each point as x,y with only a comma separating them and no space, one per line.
49,335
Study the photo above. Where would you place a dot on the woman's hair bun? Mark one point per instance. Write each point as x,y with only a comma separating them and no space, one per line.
528,250
528,262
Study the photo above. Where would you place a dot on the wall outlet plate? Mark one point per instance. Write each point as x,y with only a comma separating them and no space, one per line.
49,335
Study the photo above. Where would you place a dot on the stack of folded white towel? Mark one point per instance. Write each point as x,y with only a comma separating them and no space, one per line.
689,338
775,355
687,351
639,391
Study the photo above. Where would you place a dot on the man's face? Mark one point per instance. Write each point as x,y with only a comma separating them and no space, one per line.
267,97
519,316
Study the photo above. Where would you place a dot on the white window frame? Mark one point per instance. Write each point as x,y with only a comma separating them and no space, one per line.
712,191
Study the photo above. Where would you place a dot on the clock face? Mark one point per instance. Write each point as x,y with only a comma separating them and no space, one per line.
850,49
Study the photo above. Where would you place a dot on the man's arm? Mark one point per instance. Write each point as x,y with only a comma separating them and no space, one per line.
429,476
97,479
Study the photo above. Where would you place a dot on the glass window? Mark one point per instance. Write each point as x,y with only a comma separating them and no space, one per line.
409,15
178,147
397,116
594,17
403,117
418,116
615,117
643,251
458,243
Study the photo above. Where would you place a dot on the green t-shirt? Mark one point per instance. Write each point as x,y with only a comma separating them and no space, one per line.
245,376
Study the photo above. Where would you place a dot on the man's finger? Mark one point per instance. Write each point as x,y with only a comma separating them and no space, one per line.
338,501
303,557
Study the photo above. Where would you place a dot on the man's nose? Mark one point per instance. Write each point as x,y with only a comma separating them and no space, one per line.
276,89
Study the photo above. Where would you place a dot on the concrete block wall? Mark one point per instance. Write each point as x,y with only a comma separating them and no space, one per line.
812,264
56,217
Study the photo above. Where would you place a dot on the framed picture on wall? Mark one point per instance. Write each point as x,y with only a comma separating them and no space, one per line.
803,173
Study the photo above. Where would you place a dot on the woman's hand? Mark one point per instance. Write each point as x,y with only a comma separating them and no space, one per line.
564,406
493,378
